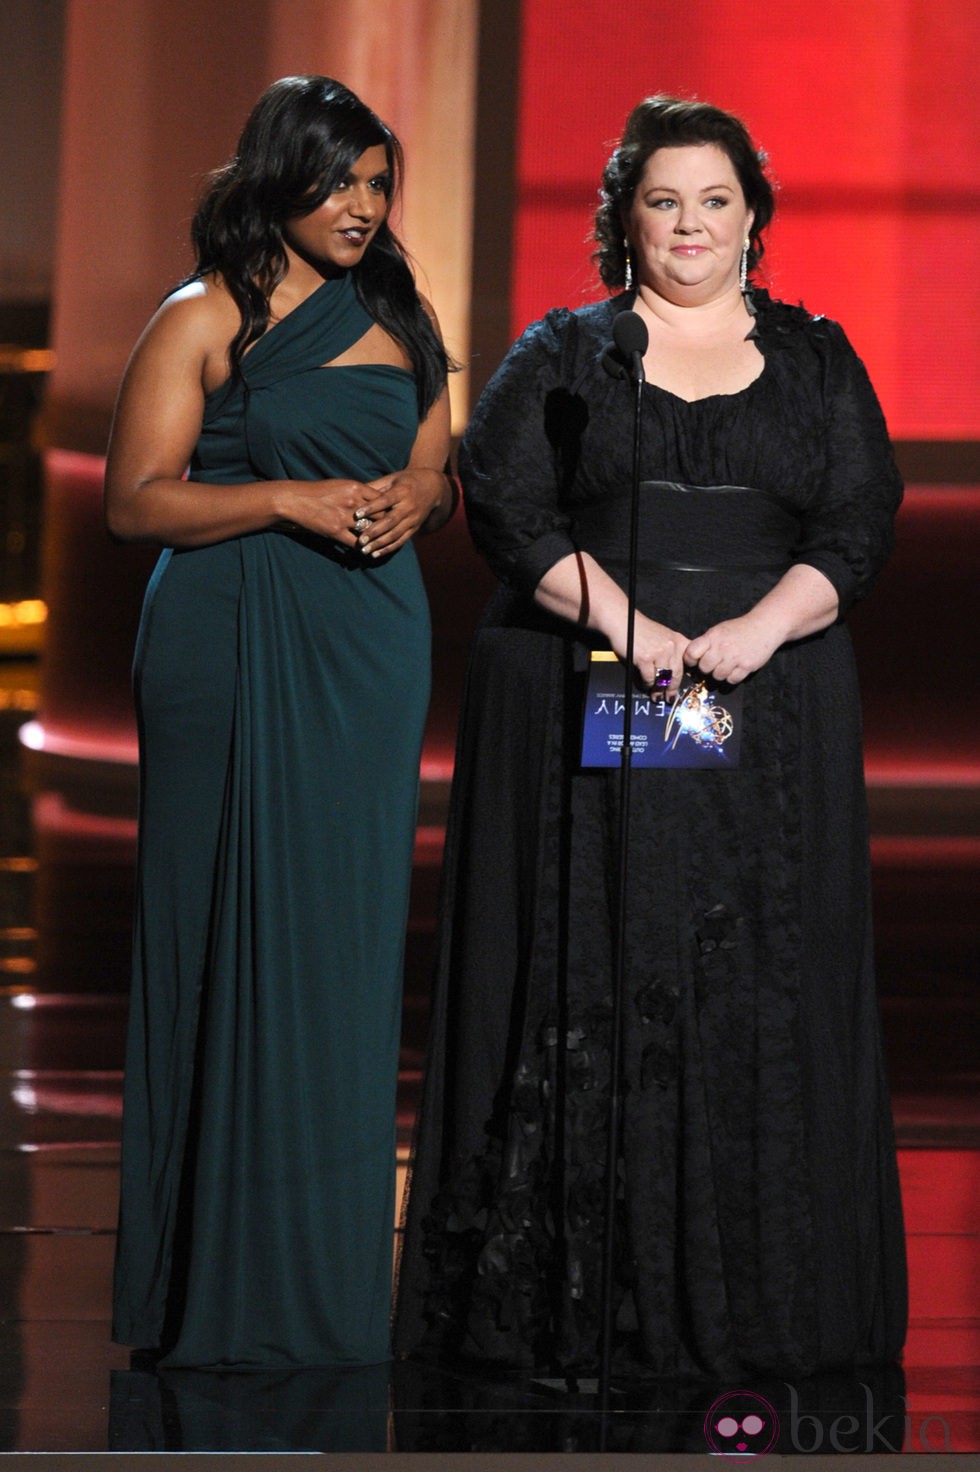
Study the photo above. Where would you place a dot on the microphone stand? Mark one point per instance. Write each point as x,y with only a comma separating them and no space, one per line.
631,339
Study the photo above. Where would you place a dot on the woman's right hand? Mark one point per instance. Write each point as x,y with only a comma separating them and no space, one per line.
329,508
656,648
577,588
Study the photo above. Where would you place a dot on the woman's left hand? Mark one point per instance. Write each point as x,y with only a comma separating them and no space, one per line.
803,602
408,498
732,650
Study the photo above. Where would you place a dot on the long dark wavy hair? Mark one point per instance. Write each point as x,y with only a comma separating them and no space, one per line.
672,122
300,142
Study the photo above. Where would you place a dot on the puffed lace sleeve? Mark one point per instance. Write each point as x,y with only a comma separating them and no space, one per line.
509,460
848,530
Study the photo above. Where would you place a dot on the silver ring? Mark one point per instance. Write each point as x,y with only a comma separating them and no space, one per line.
361,524
663,679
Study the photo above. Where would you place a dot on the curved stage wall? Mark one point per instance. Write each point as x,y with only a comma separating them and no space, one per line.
877,226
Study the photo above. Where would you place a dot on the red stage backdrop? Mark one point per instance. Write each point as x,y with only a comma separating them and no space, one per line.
868,113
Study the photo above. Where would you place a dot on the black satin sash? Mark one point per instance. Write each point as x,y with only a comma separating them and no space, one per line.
686,528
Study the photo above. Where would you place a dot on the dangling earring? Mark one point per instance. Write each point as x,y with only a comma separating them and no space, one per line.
628,278
743,269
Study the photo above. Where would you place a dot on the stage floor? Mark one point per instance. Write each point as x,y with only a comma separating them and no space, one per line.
64,1387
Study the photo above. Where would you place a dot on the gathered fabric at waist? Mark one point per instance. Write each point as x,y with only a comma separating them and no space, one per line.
688,528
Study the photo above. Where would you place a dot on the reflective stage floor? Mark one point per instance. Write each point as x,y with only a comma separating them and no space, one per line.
65,1387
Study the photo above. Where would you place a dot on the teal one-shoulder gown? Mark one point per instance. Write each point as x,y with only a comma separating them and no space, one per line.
281,688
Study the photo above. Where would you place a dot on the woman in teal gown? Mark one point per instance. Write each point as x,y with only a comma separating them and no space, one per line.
281,680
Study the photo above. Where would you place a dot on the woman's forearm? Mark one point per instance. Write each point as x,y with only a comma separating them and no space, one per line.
577,589
182,513
803,602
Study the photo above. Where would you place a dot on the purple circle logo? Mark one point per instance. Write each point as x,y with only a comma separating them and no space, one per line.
741,1424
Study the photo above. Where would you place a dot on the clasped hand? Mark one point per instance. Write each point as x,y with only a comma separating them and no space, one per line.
734,649
727,652
395,505
402,504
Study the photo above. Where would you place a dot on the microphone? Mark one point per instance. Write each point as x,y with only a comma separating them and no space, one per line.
623,358
631,338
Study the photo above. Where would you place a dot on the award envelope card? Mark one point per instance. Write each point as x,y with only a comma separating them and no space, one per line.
702,728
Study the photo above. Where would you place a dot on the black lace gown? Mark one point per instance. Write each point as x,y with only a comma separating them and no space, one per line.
759,1219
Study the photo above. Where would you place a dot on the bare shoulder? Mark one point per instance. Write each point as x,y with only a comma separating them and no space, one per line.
430,312
201,311
191,329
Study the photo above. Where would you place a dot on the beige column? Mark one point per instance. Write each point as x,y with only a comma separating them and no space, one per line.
414,63
155,93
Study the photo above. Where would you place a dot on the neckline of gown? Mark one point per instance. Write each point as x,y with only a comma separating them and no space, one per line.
288,333
758,298
711,398
342,286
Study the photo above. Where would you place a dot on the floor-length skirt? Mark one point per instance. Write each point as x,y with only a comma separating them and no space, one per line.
759,1224
281,691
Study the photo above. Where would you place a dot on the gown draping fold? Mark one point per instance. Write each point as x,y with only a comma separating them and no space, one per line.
759,1223
281,686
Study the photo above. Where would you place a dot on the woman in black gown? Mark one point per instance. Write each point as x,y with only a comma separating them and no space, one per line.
759,1220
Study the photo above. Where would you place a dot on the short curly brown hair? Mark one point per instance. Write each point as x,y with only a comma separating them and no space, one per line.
672,122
